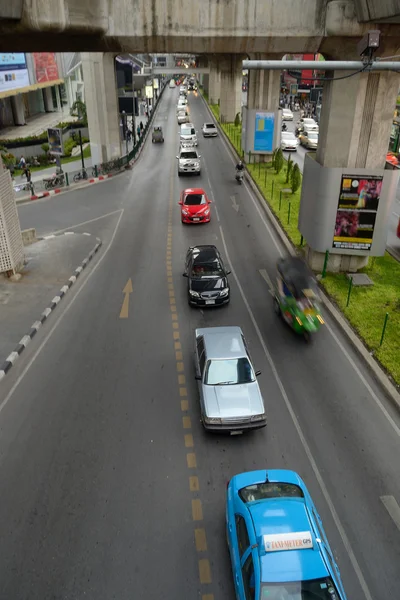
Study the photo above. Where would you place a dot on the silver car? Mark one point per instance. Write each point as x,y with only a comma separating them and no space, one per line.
183,117
187,133
209,130
188,161
230,398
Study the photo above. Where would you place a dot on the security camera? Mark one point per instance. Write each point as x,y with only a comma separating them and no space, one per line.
369,43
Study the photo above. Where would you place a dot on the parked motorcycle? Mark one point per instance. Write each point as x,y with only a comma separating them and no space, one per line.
56,180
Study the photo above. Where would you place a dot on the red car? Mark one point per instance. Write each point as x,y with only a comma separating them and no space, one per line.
195,206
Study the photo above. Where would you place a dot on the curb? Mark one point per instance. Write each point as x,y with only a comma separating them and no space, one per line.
372,364
11,359
63,189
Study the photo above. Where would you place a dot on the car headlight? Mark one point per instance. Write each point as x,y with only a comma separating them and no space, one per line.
194,294
258,417
224,292
207,212
212,420
184,212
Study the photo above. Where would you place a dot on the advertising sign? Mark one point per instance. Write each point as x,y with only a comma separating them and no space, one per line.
293,89
55,141
356,213
149,91
46,68
13,71
298,540
264,132
155,84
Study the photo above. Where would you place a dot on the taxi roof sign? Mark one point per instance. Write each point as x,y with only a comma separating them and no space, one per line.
298,540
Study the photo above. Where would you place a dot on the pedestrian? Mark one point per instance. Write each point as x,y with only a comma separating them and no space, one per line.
128,134
138,131
141,126
28,174
22,163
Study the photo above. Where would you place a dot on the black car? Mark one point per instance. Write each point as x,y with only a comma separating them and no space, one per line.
207,277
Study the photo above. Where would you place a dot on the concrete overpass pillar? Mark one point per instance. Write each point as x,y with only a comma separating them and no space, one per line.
231,87
346,181
356,118
102,105
214,82
263,90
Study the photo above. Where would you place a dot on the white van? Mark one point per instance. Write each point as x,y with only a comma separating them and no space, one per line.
188,134
172,83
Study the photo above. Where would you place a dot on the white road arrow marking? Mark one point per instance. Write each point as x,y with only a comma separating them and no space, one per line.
234,203
268,281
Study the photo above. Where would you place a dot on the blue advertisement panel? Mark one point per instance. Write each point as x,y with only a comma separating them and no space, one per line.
264,132
13,71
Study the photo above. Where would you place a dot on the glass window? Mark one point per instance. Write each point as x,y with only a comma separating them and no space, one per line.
317,589
200,345
242,535
229,372
202,361
195,199
187,155
213,269
248,578
265,490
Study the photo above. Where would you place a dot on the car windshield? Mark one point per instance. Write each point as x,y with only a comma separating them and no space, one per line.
268,489
287,135
195,199
313,589
212,269
210,126
309,122
186,155
230,371
187,131
312,135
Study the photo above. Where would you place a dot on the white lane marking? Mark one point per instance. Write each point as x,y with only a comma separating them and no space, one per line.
366,384
268,281
235,206
337,340
396,215
69,232
62,315
209,183
393,509
86,222
318,476
49,237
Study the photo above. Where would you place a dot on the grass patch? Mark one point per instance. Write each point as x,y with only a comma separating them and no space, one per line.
368,306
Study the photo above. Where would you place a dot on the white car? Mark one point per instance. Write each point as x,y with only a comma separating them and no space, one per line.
189,161
183,117
308,124
187,133
287,114
289,141
209,130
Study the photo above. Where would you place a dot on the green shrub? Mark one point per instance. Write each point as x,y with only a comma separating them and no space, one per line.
237,120
78,109
295,179
45,147
289,169
69,145
279,160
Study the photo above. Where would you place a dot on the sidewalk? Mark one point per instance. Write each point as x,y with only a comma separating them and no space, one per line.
49,265
36,125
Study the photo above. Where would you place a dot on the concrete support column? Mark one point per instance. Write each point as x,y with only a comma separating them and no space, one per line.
231,87
102,105
18,109
356,118
48,100
264,90
214,82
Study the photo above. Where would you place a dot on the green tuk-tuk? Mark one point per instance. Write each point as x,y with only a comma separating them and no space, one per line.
157,135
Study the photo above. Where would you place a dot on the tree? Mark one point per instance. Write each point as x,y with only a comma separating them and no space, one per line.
295,178
279,160
237,120
78,109
289,169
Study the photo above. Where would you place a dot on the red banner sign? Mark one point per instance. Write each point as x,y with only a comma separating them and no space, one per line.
46,68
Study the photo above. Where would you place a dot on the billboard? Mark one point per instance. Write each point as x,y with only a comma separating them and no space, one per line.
356,212
55,141
264,132
13,71
149,91
46,68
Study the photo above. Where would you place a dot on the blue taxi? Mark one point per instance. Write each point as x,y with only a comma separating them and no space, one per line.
277,544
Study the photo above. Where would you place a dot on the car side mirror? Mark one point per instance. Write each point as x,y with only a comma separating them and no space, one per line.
184,275
228,272
209,201
180,202
197,377
177,157
258,373
199,155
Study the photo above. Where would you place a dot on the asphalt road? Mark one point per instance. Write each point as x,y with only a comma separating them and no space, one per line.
106,472
393,242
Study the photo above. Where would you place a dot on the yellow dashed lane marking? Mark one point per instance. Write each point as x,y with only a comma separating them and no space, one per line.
176,335
207,597
182,392
175,325
191,460
169,279
171,287
179,367
171,293
194,483
197,510
178,346
184,405
201,540
173,308
189,443
187,423
204,571
174,317
178,355
181,379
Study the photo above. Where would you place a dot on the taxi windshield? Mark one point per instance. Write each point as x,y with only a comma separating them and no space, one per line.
313,589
